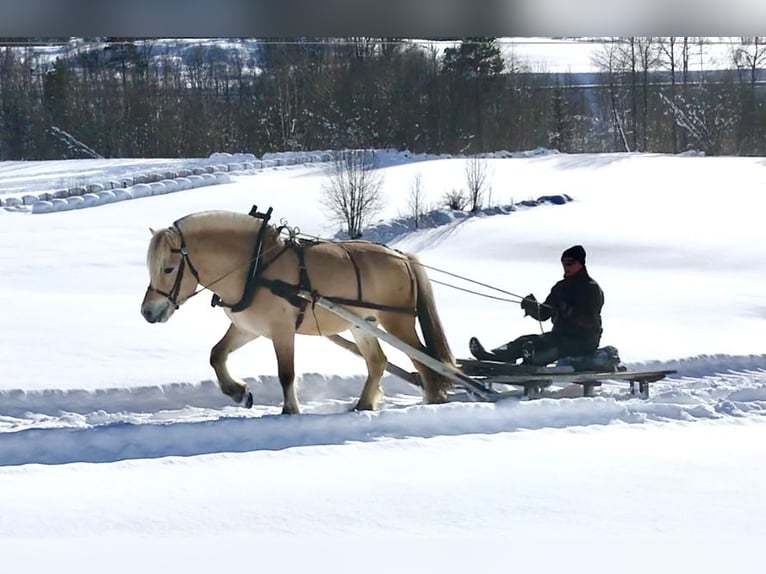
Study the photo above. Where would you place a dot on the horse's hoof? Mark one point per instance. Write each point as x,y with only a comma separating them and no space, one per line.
248,400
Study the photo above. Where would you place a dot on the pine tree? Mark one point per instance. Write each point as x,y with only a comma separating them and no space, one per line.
474,57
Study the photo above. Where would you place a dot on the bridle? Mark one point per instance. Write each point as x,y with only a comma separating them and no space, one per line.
175,290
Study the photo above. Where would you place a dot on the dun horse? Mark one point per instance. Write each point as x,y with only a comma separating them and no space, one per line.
255,275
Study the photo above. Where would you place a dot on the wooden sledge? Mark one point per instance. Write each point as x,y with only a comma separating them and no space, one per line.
535,379
478,378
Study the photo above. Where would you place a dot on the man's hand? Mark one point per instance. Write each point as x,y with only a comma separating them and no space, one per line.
529,303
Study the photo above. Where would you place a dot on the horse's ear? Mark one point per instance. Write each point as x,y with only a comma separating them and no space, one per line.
152,231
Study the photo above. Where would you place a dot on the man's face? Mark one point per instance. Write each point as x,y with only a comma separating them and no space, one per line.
571,266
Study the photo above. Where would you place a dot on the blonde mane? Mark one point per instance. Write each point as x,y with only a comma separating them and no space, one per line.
159,248
218,220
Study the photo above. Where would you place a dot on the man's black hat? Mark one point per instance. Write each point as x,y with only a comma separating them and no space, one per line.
575,252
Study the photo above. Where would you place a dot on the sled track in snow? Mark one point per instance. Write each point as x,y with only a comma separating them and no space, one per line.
185,419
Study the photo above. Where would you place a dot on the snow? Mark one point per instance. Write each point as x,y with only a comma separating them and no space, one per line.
118,451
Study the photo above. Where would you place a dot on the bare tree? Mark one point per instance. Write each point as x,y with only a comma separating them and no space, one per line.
707,121
633,57
416,203
750,59
750,56
476,174
455,199
675,55
617,122
648,59
669,58
352,193
611,61
73,144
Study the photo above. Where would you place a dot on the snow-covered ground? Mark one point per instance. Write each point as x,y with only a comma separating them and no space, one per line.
118,451
578,55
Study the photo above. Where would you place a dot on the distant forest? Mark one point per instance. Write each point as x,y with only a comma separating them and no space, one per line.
131,97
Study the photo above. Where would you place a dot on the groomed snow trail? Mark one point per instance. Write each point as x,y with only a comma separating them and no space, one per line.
185,419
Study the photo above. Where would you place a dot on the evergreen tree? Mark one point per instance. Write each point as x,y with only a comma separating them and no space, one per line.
474,57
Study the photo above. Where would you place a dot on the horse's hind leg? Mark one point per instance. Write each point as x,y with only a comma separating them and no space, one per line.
376,365
403,327
230,386
284,347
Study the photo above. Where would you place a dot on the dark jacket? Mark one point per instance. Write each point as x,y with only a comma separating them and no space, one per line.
574,306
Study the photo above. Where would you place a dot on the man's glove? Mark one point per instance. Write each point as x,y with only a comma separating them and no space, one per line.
529,304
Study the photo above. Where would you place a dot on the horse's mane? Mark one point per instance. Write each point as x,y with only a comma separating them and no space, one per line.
159,247
218,221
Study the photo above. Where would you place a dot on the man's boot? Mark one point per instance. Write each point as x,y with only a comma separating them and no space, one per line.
478,350
513,350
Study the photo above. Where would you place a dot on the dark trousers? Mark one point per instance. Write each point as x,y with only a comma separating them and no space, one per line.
549,347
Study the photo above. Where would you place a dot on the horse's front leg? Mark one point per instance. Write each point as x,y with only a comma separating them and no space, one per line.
231,341
284,347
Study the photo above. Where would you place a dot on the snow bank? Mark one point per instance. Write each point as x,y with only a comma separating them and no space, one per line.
388,231
213,170
187,420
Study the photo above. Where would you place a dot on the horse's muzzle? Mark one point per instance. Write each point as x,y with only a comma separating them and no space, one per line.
148,315
157,310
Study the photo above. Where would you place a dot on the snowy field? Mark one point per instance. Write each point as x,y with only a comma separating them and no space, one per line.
118,451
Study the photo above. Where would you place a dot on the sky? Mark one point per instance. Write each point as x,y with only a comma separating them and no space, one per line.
432,18
118,451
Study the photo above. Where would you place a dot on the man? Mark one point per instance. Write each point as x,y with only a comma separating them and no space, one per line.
574,307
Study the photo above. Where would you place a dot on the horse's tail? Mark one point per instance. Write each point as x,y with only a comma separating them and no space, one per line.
430,324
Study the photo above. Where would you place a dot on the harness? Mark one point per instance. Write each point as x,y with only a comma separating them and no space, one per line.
289,291
251,282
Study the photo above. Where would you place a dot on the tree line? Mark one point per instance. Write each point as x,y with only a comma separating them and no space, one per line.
129,97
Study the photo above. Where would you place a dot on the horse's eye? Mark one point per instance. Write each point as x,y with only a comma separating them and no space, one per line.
167,270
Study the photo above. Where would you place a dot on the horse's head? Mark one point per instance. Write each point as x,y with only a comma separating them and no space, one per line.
172,277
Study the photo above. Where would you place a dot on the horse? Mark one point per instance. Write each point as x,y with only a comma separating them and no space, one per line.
255,274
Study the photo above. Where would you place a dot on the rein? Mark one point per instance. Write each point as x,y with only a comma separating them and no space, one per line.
471,291
516,299
290,291
467,279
